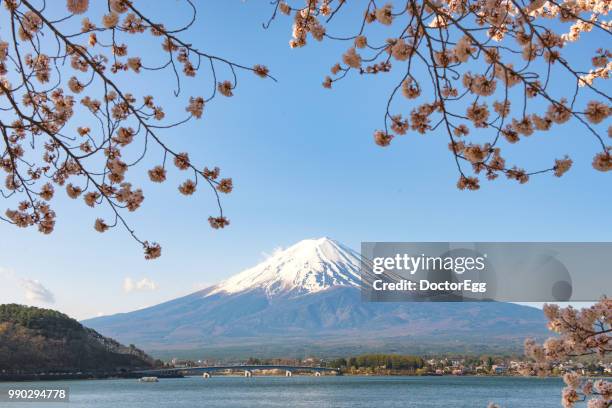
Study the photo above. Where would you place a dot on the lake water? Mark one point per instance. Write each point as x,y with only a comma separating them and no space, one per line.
308,391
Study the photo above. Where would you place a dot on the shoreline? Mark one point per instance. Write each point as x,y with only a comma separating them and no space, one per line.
127,376
4,378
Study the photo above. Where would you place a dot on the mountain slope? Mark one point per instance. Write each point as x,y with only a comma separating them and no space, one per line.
310,266
309,293
40,340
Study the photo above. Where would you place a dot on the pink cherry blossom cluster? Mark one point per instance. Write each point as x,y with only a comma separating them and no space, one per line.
483,72
579,333
47,149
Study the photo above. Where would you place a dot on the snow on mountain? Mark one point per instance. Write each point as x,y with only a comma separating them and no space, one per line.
307,297
310,266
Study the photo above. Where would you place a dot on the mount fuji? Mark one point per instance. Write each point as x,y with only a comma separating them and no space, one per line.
306,299
310,266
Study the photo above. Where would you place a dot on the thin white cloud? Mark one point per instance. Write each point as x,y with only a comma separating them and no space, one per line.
142,285
33,290
6,273
275,252
201,285
36,292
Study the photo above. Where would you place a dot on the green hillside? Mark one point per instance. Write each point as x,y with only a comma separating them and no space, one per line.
34,340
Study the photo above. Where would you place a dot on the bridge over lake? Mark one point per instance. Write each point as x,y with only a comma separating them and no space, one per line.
207,371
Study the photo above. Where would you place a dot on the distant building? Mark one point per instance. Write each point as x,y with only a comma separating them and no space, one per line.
181,363
499,368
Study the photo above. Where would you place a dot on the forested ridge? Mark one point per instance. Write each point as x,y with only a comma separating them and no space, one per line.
43,340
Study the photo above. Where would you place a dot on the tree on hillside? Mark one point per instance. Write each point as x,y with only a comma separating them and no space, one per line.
34,340
488,69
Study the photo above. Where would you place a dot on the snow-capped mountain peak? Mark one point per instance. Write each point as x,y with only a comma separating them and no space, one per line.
310,266
306,293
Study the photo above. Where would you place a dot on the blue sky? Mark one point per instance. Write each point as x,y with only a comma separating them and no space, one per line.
304,165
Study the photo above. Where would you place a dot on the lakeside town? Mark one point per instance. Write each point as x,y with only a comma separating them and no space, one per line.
395,364
362,365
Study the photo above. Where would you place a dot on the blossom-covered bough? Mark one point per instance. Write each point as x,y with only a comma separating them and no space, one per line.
67,124
487,72
583,332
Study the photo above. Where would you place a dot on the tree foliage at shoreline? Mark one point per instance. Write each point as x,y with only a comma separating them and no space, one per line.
386,361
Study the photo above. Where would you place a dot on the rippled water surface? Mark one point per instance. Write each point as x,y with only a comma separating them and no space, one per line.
307,391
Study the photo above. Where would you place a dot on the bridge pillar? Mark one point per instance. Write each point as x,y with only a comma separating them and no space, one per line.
288,373
206,375
247,373
317,373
